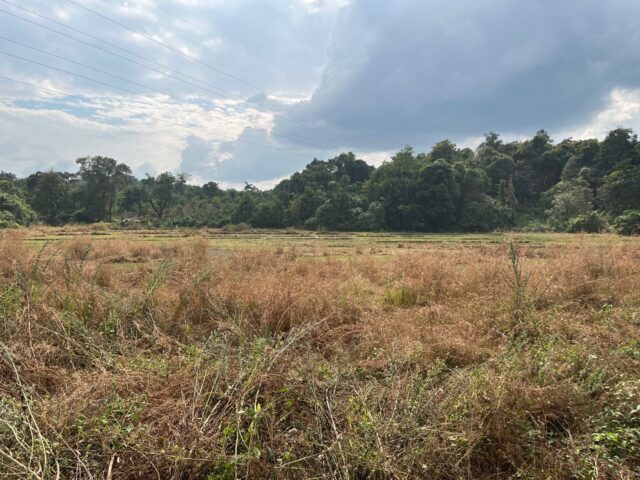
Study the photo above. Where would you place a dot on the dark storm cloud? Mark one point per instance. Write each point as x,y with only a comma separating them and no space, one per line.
381,74
426,69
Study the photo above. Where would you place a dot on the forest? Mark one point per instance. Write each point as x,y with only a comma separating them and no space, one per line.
573,186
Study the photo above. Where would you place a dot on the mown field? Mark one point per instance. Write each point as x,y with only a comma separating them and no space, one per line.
286,355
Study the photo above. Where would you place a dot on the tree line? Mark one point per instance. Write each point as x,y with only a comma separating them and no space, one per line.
574,185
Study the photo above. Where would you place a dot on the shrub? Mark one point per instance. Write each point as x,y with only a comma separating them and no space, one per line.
99,227
628,223
235,227
484,214
616,428
568,200
592,222
14,211
7,220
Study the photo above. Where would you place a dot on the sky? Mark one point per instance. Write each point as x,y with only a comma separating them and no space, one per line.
253,90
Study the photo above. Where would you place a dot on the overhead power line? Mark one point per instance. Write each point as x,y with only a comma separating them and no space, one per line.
104,72
62,70
100,82
166,46
175,50
133,112
331,73
274,132
230,95
209,32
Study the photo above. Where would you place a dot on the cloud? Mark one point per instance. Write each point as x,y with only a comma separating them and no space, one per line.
425,70
254,157
623,109
199,158
39,139
273,44
364,75
145,169
142,132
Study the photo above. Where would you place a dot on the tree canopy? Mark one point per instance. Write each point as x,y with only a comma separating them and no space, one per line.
570,185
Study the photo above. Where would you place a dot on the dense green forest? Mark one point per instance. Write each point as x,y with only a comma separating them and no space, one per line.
586,185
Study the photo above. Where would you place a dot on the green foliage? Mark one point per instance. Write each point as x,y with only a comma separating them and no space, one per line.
102,177
616,429
371,219
628,223
619,147
7,182
438,191
160,191
49,195
499,166
538,167
336,213
569,199
14,211
7,220
485,214
268,214
396,184
592,222
211,189
621,189
534,183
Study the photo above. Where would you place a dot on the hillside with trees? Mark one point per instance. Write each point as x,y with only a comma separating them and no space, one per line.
573,185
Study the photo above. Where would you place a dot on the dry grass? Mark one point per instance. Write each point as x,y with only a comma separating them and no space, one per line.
123,359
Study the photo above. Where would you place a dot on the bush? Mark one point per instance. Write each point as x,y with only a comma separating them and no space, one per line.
14,211
592,222
568,200
7,220
235,227
628,223
485,214
311,224
99,227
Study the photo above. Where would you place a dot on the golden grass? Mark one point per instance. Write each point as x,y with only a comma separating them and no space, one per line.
123,358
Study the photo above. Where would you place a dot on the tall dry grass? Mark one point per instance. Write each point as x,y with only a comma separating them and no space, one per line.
138,359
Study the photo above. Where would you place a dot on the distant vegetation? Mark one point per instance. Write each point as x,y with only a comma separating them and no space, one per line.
585,185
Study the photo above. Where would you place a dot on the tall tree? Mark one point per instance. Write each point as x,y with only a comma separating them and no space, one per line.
444,150
437,196
14,211
102,177
49,195
621,189
395,185
619,146
161,191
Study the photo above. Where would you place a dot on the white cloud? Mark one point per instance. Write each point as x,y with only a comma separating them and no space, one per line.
136,131
376,158
623,109
259,40
322,6
362,75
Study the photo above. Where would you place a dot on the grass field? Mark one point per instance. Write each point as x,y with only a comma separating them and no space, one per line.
286,355
310,241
